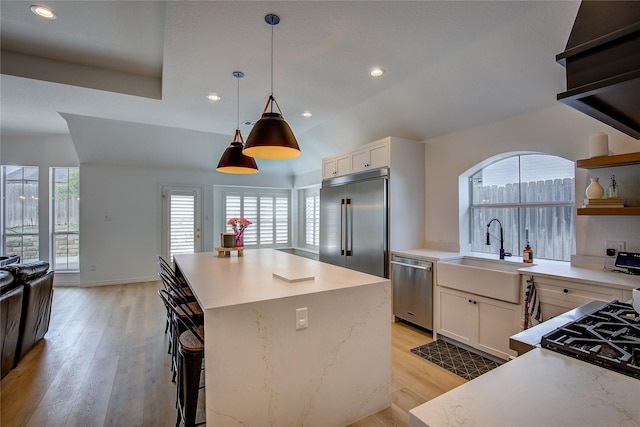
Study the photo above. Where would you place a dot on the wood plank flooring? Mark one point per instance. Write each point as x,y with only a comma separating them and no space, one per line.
104,362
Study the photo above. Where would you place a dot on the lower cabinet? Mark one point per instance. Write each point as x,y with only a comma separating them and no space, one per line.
479,322
557,296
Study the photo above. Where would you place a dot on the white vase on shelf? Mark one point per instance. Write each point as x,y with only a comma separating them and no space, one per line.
594,190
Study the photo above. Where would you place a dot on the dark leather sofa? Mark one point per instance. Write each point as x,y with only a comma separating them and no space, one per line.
26,294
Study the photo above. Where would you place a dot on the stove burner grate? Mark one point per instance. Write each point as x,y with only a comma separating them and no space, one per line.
608,337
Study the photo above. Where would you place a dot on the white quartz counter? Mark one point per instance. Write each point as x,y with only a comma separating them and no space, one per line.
222,282
262,368
556,269
540,388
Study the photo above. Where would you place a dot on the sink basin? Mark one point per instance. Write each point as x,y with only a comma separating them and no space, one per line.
496,279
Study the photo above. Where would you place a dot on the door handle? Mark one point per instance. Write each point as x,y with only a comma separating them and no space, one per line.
417,267
342,225
349,221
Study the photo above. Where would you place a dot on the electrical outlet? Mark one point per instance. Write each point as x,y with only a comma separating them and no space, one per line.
617,245
302,320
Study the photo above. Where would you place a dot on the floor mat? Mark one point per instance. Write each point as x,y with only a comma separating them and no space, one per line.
461,362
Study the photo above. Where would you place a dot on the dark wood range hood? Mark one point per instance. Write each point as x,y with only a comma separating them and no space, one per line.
602,61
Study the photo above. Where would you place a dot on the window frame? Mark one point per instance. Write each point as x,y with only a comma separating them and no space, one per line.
4,215
520,207
53,231
257,224
304,194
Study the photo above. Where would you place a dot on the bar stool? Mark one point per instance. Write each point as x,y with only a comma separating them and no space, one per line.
185,311
190,356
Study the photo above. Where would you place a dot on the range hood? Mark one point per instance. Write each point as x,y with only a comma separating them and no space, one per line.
602,61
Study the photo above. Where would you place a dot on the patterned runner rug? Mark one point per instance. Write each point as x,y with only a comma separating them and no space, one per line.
461,362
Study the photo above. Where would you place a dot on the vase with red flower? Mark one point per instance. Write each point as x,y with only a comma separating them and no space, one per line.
238,225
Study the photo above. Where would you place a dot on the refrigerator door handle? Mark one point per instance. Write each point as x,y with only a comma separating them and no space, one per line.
349,221
342,225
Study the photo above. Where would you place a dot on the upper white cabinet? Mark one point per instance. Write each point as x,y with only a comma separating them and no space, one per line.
405,160
336,166
371,156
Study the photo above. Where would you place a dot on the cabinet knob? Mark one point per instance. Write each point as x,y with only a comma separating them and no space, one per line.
475,302
366,165
566,291
469,301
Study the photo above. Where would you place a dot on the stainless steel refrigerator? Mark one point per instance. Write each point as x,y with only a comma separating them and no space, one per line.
354,226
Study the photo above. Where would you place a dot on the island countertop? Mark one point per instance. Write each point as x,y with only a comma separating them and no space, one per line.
540,388
223,282
263,366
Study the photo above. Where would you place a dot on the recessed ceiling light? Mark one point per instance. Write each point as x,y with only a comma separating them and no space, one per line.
307,114
249,122
376,72
43,11
213,97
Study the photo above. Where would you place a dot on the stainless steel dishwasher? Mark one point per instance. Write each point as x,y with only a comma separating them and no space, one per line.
412,282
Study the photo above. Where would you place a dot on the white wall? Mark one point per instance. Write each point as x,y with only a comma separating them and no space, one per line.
124,249
558,130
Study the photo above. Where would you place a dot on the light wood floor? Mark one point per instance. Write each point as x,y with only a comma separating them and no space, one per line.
104,362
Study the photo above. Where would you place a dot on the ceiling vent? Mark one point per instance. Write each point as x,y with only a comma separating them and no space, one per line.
602,61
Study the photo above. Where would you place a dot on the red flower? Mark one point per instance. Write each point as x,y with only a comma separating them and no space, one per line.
240,223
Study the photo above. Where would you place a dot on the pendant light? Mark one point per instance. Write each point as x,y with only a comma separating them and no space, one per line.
271,136
232,160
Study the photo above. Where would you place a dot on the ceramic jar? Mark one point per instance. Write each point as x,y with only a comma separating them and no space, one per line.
594,190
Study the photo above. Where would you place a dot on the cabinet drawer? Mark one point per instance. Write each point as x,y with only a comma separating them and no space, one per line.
557,294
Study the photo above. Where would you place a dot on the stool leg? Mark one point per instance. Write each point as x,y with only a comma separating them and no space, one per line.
191,364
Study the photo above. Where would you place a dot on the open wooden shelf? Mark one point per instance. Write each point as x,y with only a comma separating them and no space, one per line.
609,161
631,210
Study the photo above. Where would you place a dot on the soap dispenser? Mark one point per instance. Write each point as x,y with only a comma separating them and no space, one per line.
527,252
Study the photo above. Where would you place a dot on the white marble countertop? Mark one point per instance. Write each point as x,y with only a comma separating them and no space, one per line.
540,388
541,267
222,282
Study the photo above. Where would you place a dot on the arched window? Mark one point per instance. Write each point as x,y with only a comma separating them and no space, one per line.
530,194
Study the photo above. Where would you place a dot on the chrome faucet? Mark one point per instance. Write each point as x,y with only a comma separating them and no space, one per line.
502,252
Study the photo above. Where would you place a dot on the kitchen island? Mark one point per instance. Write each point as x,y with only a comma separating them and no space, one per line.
260,369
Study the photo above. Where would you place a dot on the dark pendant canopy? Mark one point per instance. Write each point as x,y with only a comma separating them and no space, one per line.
271,137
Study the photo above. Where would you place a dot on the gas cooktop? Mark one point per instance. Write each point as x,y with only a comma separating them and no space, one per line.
608,337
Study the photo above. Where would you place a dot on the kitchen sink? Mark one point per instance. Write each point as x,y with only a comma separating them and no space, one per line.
498,279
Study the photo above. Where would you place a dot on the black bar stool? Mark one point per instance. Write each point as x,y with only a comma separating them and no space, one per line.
190,351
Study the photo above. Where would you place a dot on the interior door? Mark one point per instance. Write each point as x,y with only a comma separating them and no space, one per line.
332,225
182,221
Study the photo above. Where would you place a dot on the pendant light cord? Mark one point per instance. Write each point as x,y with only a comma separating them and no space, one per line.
272,65
238,110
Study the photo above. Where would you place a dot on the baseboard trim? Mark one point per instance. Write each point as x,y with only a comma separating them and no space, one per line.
118,282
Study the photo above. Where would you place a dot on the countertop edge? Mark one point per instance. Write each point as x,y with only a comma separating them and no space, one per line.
555,269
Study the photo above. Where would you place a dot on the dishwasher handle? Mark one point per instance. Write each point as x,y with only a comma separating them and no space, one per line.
418,267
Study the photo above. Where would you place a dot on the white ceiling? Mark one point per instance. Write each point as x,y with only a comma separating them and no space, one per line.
450,65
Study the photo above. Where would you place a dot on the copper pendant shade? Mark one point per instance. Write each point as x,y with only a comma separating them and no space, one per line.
233,160
271,137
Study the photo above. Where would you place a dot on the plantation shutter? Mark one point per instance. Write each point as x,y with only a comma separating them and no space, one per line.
312,218
182,223
269,214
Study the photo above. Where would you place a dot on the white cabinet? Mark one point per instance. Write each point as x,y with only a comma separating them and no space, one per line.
336,166
405,160
482,323
558,296
371,156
